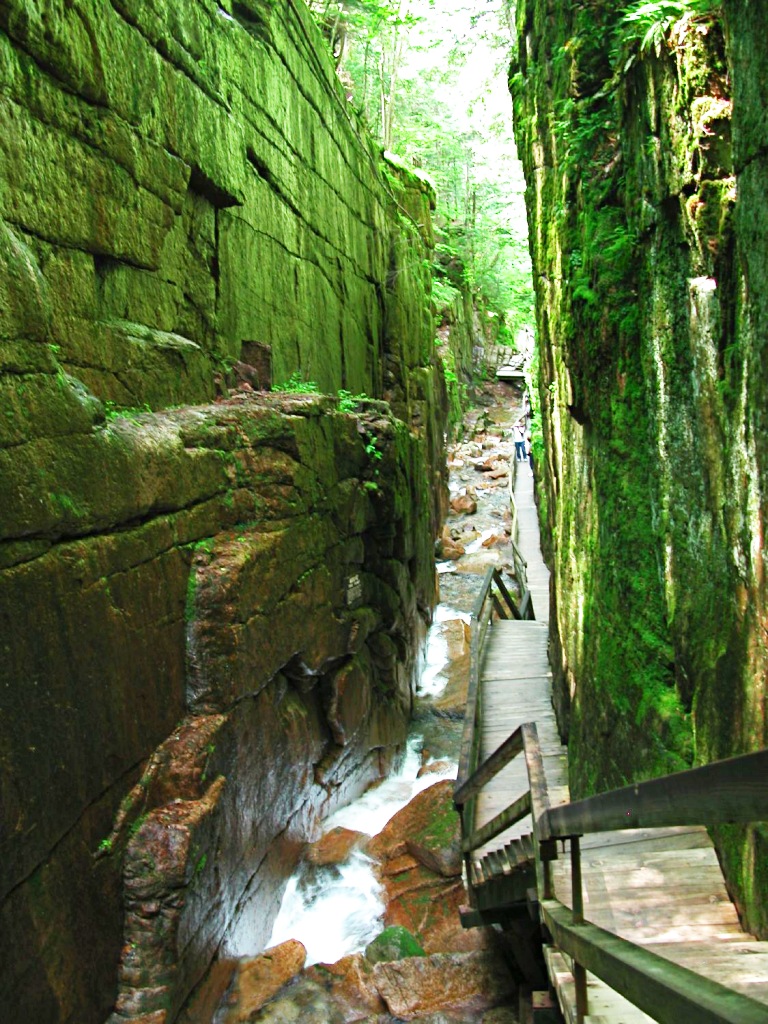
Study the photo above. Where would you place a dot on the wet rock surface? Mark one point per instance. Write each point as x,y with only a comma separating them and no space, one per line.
259,979
424,966
470,982
334,847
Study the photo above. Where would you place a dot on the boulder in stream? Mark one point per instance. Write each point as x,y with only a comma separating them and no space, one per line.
447,547
394,943
464,504
259,978
417,986
350,986
335,846
419,858
428,828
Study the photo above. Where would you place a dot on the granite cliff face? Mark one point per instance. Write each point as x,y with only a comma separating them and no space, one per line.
210,597
645,157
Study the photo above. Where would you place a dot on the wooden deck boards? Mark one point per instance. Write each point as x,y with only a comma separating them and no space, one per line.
517,682
661,888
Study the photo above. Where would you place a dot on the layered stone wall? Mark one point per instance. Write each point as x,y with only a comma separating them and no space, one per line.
646,171
209,598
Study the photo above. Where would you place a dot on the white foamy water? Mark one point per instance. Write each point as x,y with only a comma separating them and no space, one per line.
332,910
337,910
431,682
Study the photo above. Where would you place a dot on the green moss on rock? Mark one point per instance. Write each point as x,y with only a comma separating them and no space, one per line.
649,256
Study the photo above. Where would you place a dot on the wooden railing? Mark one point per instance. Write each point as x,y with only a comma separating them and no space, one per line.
732,791
494,596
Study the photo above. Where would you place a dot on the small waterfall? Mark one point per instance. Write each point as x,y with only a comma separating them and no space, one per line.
335,910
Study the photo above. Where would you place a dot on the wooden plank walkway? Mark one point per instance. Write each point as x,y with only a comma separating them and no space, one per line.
528,541
517,683
661,888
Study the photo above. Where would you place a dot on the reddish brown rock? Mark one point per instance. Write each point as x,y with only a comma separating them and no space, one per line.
427,904
420,868
496,540
435,768
351,986
401,861
260,978
448,548
463,504
428,828
417,986
335,846
456,633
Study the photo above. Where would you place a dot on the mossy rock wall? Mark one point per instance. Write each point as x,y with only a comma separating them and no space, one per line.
190,179
646,173
209,601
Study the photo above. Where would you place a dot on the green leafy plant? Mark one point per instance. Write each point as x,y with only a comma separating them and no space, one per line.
443,293
649,22
375,454
372,451
136,825
296,385
349,402
113,411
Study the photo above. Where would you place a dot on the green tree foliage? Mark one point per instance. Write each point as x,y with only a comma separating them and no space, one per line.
429,79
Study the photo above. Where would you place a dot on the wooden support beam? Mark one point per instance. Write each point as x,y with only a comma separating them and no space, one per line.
510,601
536,777
499,608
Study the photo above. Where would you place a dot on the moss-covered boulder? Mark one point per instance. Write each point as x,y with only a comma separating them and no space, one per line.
393,943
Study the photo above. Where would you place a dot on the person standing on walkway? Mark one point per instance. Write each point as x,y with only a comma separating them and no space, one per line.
529,452
518,434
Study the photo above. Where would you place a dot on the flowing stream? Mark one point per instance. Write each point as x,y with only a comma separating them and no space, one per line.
337,909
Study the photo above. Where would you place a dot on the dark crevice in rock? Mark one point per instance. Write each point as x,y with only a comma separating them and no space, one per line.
156,515
255,25
218,197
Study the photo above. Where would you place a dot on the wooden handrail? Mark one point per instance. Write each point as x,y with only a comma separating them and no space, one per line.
501,757
734,790
664,990
485,603
723,792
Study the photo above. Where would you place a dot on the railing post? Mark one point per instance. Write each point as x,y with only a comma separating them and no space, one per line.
577,904
546,871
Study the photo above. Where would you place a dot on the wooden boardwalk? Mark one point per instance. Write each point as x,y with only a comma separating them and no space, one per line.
517,682
528,540
659,888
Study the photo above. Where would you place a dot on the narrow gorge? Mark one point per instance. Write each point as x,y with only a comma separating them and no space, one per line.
211,596
236,336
